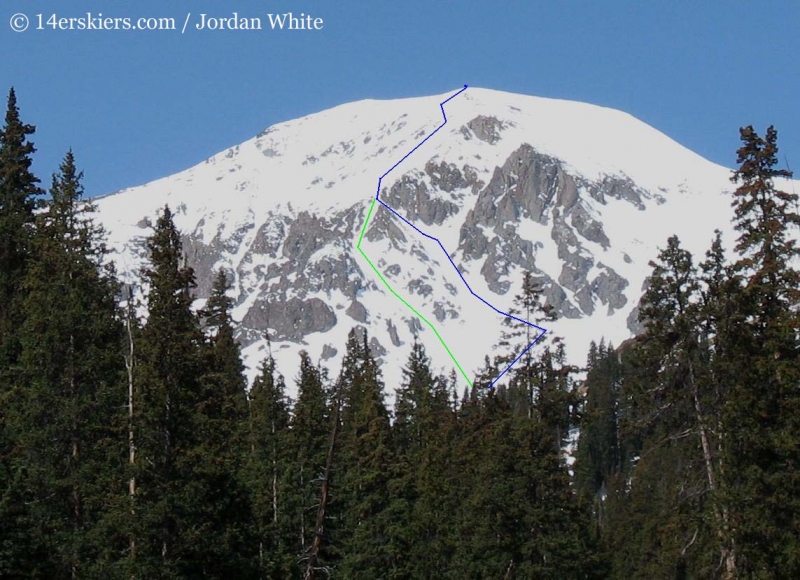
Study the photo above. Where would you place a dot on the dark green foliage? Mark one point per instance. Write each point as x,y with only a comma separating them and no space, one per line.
762,414
366,463
221,498
423,421
269,474
132,450
168,526
599,456
68,428
308,445
18,191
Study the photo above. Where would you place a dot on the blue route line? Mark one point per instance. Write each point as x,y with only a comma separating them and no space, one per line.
471,291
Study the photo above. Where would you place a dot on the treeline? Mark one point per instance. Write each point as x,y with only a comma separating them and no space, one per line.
132,448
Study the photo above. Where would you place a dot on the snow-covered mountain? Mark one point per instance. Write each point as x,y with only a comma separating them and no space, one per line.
582,196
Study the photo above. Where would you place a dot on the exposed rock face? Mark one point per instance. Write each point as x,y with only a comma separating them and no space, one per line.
608,286
292,319
633,323
448,177
328,351
393,333
357,311
376,347
294,258
414,201
531,185
510,184
524,187
484,128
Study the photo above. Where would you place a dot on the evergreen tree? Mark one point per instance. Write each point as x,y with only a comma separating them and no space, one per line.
417,490
69,430
366,458
762,414
671,502
518,517
18,191
517,337
168,523
308,445
222,426
269,472
419,401
598,455
18,194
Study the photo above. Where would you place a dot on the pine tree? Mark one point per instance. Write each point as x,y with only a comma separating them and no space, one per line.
269,471
672,499
599,455
417,494
18,191
763,405
366,458
517,339
308,444
168,520
419,400
18,194
518,517
222,429
69,427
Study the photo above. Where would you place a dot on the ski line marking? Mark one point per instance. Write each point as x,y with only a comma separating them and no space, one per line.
377,199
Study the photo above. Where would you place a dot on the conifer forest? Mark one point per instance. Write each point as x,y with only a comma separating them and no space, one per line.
132,446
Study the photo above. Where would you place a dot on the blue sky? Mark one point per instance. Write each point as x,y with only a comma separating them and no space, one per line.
135,106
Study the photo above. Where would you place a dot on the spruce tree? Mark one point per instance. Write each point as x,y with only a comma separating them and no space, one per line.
417,489
69,427
598,454
18,191
517,338
18,199
168,522
308,442
222,416
366,458
672,500
269,474
762,414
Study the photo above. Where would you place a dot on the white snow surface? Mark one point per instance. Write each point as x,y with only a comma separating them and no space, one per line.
330,162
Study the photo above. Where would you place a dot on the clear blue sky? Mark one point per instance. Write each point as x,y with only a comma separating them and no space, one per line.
135,106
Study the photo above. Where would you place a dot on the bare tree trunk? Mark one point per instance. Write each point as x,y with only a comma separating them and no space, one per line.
302,512
274,476
720,512
76,506
76,495
316,544
129,361
509,571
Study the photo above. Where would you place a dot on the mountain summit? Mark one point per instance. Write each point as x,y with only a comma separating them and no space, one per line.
579,195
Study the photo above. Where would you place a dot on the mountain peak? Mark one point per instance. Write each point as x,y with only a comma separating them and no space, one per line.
581,196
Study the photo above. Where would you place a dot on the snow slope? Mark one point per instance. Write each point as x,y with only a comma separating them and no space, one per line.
281,213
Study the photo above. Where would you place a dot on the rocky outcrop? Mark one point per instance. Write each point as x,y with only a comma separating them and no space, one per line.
448,177
357,311
608,286
291,319
299,260
484,128
393,335
414,200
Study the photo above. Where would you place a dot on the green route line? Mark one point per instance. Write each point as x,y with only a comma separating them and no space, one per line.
392,290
